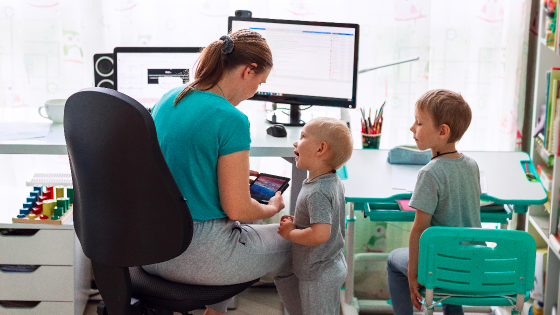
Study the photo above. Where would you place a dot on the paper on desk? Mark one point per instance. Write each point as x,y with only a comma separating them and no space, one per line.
23,130
483,187
405,177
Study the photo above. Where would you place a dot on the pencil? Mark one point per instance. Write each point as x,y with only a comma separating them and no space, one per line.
364,117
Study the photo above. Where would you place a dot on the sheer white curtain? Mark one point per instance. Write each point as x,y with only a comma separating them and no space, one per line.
477,48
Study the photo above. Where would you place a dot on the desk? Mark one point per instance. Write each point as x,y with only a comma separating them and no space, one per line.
262,144
505,180
66,262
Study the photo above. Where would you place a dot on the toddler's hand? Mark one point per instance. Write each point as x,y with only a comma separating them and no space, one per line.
286,226
287,217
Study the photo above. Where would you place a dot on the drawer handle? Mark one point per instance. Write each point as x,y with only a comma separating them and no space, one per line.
19,268
18,232
19,304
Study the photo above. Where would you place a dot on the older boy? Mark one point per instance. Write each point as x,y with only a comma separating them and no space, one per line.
317,230
447,192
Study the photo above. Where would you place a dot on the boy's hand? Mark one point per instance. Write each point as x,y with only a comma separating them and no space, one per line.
415,296
286,226
287,217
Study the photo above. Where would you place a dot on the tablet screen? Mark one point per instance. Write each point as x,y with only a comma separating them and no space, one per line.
265,187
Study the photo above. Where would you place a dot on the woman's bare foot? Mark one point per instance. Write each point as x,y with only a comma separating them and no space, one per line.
210,311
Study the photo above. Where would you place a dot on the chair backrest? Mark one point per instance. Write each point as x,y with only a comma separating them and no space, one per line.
128,210
448,261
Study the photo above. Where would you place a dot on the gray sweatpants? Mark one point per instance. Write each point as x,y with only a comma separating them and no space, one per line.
224,252
321,296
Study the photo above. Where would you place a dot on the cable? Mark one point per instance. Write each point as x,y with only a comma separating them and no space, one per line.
282,108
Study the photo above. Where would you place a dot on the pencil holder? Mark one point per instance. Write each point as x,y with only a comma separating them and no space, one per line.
371,141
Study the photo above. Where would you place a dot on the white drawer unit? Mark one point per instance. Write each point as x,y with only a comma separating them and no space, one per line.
39,308
47,283
41,247
42,270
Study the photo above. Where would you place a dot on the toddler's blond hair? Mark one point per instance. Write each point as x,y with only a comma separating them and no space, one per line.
338,138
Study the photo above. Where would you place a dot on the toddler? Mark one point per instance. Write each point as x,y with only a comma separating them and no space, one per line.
317,228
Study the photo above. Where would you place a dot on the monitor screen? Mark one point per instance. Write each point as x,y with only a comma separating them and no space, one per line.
146,73
315,63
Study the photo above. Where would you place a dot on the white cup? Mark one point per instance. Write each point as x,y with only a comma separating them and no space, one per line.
54,109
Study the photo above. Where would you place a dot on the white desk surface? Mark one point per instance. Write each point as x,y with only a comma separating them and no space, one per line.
262,144
370,178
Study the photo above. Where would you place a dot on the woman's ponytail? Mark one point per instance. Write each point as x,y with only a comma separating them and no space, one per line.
242,47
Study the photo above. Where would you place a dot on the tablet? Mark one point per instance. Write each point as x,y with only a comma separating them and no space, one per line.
266,185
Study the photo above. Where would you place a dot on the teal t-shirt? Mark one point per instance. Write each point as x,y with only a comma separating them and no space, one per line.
192,135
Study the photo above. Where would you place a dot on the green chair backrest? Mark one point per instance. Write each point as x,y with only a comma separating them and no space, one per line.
449,261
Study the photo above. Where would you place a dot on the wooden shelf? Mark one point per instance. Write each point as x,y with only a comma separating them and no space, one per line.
554,245
540,222
546,156
538,219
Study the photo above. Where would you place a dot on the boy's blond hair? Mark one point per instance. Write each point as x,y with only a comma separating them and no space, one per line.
447,107
338,138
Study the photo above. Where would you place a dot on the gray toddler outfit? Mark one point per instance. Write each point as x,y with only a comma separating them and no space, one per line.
449,190
321,269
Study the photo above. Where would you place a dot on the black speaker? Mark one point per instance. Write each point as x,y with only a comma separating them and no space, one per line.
103,69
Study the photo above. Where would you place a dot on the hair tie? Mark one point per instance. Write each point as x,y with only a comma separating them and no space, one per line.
228,44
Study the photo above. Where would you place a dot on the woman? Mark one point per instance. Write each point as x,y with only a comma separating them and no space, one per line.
206,142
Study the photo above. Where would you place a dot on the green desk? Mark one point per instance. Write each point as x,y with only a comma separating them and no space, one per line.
369,188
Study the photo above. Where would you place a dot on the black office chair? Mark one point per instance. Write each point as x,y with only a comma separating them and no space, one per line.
128,210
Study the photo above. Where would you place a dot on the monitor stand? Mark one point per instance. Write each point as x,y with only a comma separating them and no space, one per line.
295,118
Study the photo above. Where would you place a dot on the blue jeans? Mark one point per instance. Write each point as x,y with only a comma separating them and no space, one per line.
397,274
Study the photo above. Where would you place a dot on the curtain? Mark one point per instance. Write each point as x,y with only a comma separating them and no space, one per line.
477,48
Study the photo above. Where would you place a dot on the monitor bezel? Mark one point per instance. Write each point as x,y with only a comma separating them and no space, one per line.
147,50
304,99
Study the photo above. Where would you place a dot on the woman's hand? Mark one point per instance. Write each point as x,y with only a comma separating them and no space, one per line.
252,173
277,202
235,196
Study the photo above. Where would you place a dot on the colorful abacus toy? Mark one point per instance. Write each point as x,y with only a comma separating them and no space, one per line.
47,205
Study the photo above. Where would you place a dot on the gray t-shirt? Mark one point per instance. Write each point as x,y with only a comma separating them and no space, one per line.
449,190
320,201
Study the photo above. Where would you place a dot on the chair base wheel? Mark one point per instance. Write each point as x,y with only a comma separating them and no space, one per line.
135,308
101,308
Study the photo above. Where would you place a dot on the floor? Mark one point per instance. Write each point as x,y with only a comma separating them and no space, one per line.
253,301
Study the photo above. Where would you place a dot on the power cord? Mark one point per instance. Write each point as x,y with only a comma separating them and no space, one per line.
301,109
275,107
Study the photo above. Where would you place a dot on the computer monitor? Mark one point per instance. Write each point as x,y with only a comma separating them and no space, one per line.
315,63
146,73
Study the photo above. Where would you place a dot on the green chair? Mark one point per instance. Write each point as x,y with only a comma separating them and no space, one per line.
456,272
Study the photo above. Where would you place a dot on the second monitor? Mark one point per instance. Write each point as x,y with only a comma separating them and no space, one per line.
147,73
315,63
